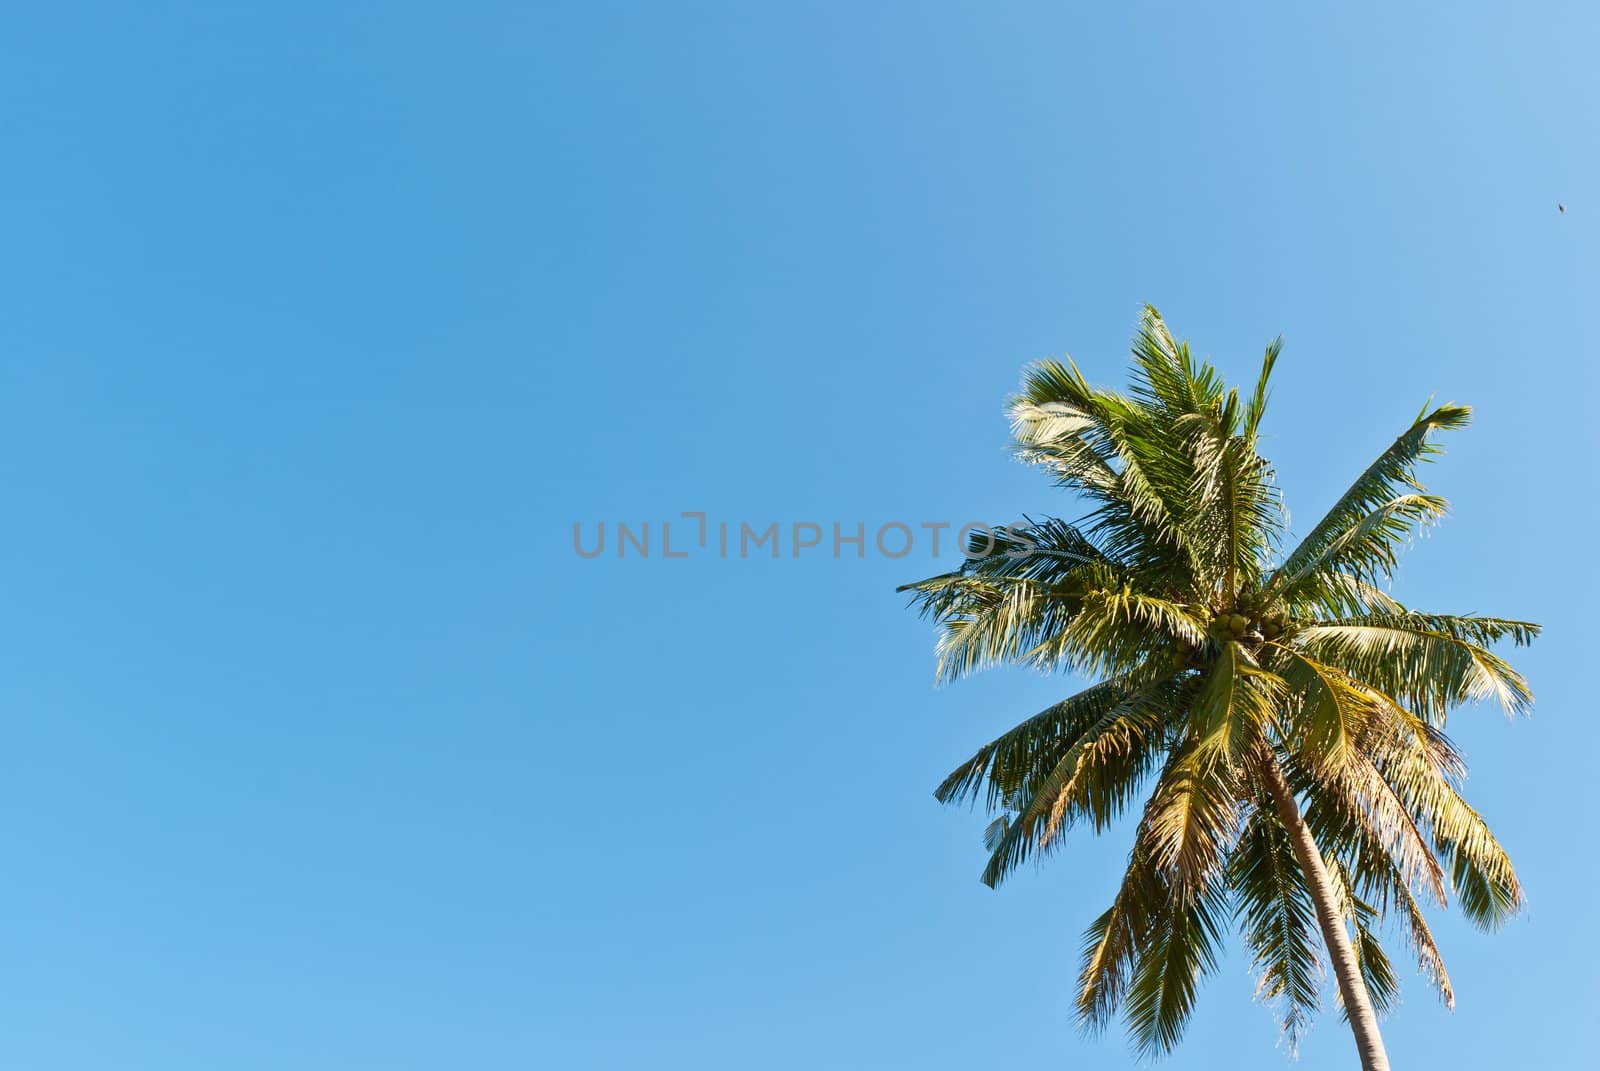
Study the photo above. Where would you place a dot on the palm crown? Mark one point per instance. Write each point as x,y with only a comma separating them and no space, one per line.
1278,715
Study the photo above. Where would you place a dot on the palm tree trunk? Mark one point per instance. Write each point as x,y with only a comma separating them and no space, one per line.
1346,968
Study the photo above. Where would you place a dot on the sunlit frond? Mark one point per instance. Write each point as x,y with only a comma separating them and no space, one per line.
1340,594
1361,817
1193,816
1481,874
1329,710
1233,709
1430,662
1238,513
1107,448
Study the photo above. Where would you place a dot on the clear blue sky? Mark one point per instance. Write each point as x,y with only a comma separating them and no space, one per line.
320,325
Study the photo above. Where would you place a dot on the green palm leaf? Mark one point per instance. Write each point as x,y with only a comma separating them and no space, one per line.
1278,921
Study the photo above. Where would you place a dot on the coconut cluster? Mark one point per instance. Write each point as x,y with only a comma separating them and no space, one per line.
1226,627
1251,619
1273,625
1186,656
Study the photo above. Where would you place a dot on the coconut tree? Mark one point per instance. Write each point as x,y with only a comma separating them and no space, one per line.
1277,717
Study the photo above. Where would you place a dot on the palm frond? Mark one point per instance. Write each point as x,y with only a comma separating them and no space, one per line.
1237,702
1257,406
1004,762
1386,479
1368,549
1111,943
1358,817
1329,711
1193,817
1147,951
1429,961
1377,972
1094,777
1278,920
1481,874
1429,662
1238,512
1180,947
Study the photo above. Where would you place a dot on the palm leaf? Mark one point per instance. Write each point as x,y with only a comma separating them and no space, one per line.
1429,662
1278,920
1383,481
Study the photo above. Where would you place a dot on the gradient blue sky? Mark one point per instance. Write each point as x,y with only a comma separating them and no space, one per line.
320,325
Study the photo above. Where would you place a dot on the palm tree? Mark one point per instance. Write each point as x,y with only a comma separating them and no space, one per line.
1280,717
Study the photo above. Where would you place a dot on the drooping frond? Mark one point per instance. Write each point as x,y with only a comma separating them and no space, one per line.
1481,874
1112,941
1377,972
1393,735
1278,920
1330,709
1193,816
1403,904
1147,951
1429,961
1179,948
1091,777
1004,762
1358,815
1363,920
